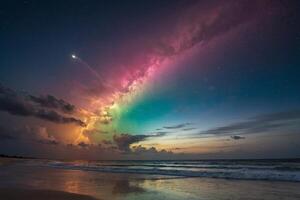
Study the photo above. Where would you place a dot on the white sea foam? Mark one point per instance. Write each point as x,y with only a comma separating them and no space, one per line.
272,170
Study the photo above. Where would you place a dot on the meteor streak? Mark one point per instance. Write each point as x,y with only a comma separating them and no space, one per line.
94,72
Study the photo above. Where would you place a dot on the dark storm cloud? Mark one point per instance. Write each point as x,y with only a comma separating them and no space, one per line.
123,141
50,101
27,105
83,145
237,137
32,134
259,124
57,118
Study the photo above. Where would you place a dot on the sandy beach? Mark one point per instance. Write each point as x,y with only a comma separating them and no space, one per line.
23,180
16,193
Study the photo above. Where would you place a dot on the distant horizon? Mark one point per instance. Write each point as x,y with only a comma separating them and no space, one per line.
205,159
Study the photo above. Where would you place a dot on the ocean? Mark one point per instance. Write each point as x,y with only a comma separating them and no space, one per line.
273,170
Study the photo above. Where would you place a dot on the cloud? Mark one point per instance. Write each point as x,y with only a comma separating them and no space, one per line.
237,137
37,134
43,108
158,134
48,142
106,142
189,129
279,116
41,135
259,124
178,126
152,150
123,141
57,118
83,145
50,101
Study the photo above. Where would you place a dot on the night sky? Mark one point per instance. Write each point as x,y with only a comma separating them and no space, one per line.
150,79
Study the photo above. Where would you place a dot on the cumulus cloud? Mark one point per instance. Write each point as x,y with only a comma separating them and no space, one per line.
41,135
150,152
43,108
123,141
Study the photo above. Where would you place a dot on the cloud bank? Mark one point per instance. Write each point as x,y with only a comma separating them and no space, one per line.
260,124
124,141
46,108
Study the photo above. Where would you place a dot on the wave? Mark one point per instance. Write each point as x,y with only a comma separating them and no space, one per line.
241,171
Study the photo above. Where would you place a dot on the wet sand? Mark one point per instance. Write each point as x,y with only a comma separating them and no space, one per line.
19,194
29,182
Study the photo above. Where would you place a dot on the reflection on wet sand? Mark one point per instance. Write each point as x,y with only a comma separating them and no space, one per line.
126,187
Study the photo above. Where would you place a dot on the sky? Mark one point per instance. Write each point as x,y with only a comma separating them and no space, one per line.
150,79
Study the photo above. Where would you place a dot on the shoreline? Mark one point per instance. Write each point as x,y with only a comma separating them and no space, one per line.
34,182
